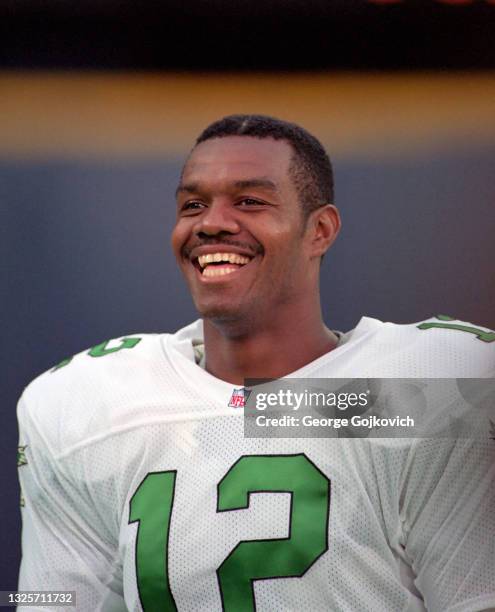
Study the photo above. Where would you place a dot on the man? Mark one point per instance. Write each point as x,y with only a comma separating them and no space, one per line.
141,491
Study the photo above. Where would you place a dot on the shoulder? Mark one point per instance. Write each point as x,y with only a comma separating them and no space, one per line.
85,389
443,335
440,346
109,360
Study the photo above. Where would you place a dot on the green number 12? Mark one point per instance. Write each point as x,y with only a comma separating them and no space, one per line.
151,505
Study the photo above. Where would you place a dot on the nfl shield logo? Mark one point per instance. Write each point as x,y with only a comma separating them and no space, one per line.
239,398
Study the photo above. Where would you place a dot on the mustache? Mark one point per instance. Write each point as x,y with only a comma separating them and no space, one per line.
255,249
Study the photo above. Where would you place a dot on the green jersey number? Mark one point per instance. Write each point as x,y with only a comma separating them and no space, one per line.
151,505
100,350
481,334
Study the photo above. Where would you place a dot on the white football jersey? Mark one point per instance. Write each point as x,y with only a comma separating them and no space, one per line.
140,491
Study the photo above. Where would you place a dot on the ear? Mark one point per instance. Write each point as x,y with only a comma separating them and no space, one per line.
324,226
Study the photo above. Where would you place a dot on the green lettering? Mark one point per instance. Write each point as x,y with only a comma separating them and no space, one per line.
100,350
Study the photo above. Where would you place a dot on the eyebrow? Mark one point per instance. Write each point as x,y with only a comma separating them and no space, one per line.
264,183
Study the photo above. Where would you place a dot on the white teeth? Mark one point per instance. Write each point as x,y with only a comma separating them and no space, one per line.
233,258
212,271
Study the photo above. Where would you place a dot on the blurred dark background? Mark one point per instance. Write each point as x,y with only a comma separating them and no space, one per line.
248,35
100,102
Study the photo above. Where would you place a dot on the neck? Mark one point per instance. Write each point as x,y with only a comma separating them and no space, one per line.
271,348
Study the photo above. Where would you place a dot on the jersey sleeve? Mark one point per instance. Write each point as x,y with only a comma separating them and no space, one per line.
61,546
448,518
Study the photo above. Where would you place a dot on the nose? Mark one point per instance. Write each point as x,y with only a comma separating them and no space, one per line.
218,217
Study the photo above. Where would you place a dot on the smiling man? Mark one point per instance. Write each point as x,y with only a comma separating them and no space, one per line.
253,221
141,491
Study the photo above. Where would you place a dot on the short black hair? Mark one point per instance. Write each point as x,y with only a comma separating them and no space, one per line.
310,167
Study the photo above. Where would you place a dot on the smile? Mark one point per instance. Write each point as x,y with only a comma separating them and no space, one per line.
220,264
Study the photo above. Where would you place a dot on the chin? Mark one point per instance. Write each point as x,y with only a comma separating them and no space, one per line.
219,312
232,318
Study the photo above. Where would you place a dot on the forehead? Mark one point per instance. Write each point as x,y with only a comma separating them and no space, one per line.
238,157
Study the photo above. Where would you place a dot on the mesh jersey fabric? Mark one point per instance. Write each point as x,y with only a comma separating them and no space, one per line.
411,523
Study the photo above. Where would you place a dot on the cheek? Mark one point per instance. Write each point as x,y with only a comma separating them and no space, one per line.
278,237
286,246
288,261
177,239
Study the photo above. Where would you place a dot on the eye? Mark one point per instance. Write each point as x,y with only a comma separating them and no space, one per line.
191,206
247,202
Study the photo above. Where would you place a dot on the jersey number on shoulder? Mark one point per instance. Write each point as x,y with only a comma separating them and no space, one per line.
100,350
152,504
481,334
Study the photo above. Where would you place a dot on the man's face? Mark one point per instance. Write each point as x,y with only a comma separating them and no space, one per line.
239,237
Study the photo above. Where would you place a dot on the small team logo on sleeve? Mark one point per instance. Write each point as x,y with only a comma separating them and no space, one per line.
239,398
21,460
21,456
